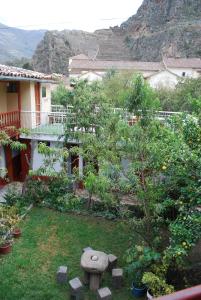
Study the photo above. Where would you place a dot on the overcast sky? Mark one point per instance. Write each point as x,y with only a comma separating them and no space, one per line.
67,14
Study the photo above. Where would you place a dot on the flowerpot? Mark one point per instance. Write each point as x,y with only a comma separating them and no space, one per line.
5,248
138,292
80,185
16,233
149,295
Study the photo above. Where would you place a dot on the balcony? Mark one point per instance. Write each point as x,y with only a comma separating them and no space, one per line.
50,123
193,293
9,121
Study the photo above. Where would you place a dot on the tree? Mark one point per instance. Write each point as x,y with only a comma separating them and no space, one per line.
116,87
5,140
61,96
183,97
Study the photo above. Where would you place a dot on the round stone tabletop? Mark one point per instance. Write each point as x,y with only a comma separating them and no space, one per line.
94,261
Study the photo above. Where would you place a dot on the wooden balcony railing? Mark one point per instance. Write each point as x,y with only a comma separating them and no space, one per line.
9,121
193,293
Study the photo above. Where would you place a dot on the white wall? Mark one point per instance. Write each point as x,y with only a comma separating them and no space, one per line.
38,158
2,158
45,101
98,75
188,72
90,76
163,79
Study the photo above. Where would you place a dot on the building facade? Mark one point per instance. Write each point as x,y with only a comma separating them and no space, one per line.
25,102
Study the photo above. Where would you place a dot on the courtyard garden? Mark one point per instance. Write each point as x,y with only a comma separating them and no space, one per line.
141,197
50,239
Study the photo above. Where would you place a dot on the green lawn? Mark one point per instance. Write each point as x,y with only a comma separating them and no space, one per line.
51,239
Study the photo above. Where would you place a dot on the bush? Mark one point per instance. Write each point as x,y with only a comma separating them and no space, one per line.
56,193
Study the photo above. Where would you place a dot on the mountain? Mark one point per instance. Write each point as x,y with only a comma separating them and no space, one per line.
54,50
160,28
165,27
18,43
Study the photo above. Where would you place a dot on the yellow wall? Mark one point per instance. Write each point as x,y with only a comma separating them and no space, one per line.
3,97
25,96
12,101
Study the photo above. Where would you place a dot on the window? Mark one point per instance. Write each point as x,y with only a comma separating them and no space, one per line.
44,93
47,143
183,74
12,87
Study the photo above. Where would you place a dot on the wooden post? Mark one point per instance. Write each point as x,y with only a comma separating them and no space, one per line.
19,102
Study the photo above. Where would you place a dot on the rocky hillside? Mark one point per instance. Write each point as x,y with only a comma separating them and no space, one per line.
17,43
165,27
160,27
54,50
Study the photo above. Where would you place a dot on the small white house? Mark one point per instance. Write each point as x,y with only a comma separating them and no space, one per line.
163,79
91,76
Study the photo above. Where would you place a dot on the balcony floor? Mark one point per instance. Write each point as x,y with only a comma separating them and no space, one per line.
52,129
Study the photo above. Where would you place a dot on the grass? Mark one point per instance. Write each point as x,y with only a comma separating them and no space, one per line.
51,239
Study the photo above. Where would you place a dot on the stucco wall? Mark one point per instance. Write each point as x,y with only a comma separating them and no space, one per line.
90,76
188,72
96,75
12,101
3,97
38,158
32,95
163,80
25,96
2,158
46,101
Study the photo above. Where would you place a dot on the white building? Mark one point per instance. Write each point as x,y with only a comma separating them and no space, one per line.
159,74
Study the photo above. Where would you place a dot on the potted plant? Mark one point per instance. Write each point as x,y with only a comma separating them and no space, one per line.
140,260
12,219
16,232
157,285
5,245
138,288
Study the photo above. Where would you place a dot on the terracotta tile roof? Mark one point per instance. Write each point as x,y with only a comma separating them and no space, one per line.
10,71
80,64
193,63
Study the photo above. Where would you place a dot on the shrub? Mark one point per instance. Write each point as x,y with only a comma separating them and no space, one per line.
157,284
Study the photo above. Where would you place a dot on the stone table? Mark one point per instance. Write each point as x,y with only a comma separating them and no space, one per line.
94,263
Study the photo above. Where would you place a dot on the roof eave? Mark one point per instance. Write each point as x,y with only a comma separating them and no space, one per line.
18,78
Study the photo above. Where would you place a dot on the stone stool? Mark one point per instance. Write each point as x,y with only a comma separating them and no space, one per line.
62,274
112,259
117,278
86,249
104,294
76,289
